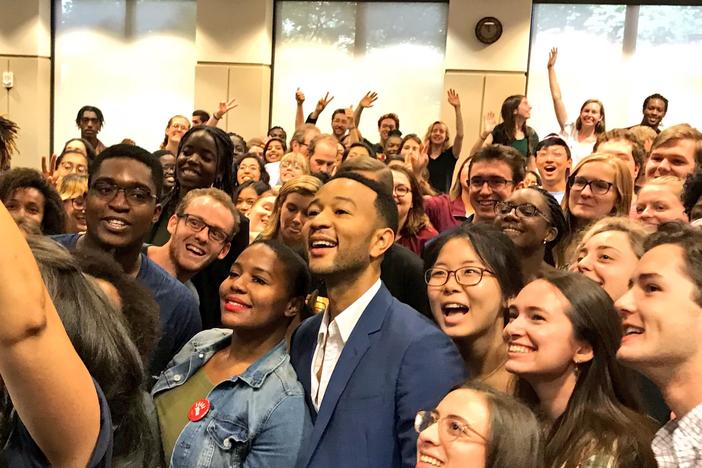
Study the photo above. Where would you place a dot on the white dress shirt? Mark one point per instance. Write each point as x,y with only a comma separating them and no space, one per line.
678,444
331,340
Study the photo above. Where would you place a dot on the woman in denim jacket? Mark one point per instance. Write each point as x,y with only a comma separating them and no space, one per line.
230,397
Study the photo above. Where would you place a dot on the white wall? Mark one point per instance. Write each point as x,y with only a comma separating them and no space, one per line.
25,28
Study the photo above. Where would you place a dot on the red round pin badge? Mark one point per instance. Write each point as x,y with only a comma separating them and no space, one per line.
199,410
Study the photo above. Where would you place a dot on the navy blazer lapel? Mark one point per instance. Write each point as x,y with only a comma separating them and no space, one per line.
355,348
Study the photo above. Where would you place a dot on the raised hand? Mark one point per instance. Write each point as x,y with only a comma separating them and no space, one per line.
368,99
552,56
323,102
224,107
453,98
299,97
489,122
348,112
49,172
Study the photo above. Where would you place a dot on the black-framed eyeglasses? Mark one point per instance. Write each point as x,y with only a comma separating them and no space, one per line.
450,427
78,203
524,210
495,183
400,190
597,186
135,195
196,224
466,276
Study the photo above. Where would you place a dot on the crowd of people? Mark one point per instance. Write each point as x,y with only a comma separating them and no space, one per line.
323,300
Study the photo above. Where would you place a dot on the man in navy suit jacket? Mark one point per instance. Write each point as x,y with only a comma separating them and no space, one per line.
369,363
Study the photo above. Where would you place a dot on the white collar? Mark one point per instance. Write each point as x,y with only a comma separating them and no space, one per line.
347,319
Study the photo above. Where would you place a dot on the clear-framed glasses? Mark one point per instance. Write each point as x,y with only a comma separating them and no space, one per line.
466,276
524,210
597,186
495,183
196,224
291,164
135,195
78,203
450,427
400,190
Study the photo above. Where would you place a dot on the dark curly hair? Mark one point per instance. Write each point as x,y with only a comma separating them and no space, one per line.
54,220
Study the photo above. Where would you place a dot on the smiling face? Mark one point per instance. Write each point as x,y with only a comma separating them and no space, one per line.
293,216
590,115
75,214
464,407
587,205
290,167
392,145
341,229
608,259
196,164
168,163
438,133
385,127
339,124
245,199
658,204
484,197
653,112
465,311
661,320
117,222
256,296
275,151
176,129
524,109
527,232
71,163
621,149
190,250
401,183
248,169
410,148
675,158
260,214
540,336
553,165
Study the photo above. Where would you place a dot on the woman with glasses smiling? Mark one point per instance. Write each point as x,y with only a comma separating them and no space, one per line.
532,218
471,272
72,191
599,186
414,228
175,129
475,426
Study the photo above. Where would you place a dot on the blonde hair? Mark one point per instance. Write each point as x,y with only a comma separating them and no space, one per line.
623,183
73,186
635,231
298,158
304,185
447,142
673,183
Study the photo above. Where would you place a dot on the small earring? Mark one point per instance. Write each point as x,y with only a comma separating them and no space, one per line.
576,370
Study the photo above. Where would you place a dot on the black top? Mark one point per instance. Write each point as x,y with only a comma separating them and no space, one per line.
441,170
21,451
403,274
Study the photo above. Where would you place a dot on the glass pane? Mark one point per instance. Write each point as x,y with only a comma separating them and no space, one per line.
349,48
590,62
133,60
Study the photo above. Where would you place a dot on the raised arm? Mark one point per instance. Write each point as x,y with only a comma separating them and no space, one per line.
299,114
50,387
455,101
366,101
558,106
222,108
319,108
485,137
354,134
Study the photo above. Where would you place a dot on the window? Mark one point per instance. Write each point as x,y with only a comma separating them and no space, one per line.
349,48
133,60
619,54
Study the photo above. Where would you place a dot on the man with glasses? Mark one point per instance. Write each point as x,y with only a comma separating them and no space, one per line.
494,173
125,182
201,230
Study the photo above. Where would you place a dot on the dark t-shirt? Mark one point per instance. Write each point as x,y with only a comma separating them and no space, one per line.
178,308
21,450
441,170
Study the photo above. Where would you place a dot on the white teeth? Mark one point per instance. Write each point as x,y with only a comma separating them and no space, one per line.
430,460
454,309
323,244
195,250
116,223
633,330
515,348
